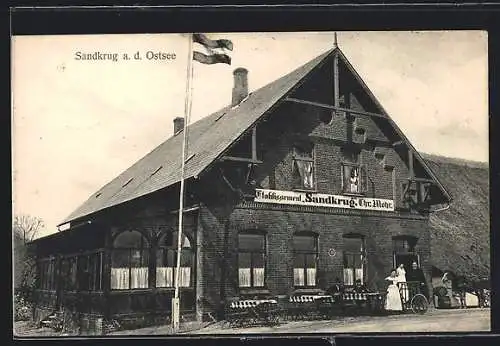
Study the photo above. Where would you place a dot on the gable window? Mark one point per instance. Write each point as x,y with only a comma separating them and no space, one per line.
251,259
303,166
166,261
404,251
305,253
353,174
354,257
130,261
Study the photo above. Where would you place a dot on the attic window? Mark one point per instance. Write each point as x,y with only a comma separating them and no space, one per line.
189,158
128,182
303,165
157,170
97,195
220,116
360,131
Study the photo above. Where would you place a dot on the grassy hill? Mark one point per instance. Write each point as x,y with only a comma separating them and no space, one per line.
460,235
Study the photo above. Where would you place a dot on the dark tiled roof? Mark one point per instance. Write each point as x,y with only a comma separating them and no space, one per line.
208,138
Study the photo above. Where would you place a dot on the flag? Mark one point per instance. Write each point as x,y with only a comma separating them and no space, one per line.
211,59
215,49
205,41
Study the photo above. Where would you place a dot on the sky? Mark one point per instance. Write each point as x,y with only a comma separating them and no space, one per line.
77,124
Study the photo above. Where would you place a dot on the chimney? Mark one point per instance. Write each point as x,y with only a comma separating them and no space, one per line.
178,124
240,88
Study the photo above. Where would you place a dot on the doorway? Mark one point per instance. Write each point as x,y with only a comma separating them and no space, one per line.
406,259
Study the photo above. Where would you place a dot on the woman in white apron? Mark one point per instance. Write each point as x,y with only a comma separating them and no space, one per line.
393,299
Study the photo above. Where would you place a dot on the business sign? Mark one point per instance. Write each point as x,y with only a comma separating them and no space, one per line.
323,200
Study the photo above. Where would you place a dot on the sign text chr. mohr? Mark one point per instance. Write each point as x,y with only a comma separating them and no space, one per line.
323,200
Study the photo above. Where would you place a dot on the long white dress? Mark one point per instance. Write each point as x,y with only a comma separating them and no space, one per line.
393,299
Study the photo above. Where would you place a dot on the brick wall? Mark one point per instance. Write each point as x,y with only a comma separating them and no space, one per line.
220,273
221,220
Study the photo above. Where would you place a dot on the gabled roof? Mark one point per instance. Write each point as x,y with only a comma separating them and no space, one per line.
208,138
400,133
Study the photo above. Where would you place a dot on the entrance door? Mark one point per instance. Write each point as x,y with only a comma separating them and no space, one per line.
404,251
406,259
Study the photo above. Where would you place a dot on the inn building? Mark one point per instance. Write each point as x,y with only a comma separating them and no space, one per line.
298,185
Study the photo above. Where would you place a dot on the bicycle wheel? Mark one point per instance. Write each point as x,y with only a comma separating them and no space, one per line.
419,304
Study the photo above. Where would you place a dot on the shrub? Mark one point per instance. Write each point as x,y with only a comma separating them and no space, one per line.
22,309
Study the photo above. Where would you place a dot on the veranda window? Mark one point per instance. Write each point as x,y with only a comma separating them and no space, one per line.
69,271
353,256
90,271
305,248
130,261
303,166
166,261
47,274
251,259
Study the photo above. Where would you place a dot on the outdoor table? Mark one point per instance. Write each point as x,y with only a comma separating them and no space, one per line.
253,311
372,301
309,306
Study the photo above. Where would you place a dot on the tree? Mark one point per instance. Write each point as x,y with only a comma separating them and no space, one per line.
25,229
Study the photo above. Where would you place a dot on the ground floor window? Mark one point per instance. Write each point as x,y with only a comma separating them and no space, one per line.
305,254
251,259
69,273
82,272
90,269
130,261
166,261
353,257
47,273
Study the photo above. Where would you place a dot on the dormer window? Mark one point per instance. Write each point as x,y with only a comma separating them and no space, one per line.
303,166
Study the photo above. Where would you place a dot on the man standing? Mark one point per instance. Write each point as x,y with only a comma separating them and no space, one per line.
416,274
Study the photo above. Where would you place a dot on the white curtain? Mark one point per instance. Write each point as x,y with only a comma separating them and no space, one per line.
359,274
298,277
184,276
244,277
348,276
311,276
258,277
164,277
139,277
306,173
119,278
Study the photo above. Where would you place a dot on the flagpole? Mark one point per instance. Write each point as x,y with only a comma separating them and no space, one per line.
187,113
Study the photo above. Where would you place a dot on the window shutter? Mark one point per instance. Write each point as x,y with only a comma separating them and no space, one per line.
364,179
342,177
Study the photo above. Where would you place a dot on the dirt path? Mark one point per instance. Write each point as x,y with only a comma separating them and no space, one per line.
434,321
466,320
